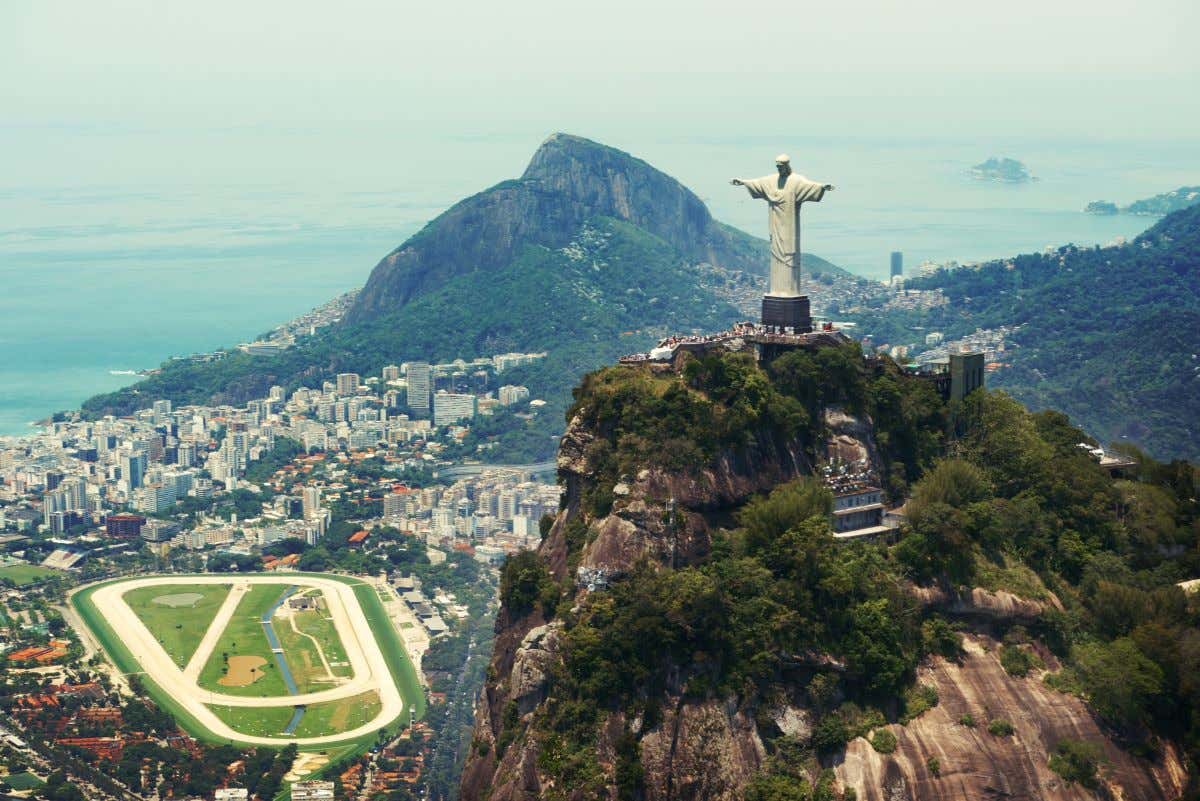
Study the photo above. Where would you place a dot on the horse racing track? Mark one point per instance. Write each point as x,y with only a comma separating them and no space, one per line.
263,659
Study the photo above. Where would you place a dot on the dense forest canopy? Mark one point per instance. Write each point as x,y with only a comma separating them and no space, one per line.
1110,336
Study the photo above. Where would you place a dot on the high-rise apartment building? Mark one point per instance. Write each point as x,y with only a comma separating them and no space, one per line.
394,505
185,454
449,408
133,467
420,386
347,383
311,500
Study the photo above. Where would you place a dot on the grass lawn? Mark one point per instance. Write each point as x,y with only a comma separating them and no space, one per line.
244,636
23,781
331,717
20,575
338,716
177,625
303,658
267,722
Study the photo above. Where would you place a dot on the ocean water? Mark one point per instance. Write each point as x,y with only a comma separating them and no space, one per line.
119,270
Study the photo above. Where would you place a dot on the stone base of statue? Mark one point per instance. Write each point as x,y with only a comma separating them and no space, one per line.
787,312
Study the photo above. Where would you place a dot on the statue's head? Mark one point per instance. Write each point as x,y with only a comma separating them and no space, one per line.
783,164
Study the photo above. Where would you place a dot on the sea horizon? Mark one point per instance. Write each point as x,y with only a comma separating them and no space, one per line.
113,277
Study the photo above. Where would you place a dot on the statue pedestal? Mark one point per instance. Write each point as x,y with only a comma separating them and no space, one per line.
787,312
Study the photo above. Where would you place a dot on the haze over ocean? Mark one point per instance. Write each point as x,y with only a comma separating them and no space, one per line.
122,274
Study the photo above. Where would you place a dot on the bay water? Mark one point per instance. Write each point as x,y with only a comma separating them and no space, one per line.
104,271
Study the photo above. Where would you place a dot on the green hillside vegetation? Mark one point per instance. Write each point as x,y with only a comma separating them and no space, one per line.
996,485
725,402
1109,336
1166,202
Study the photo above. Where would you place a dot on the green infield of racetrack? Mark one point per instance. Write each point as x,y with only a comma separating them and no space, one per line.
244,636
342,715
402,670
178,629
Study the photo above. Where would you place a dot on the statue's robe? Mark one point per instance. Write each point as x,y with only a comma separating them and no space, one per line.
784,196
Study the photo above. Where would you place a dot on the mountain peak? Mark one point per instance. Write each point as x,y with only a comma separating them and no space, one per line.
569,181
561,151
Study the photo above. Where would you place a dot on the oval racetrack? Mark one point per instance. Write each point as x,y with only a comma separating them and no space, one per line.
363,652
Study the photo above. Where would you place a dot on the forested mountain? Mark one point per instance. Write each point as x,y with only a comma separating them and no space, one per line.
1166,202
1110,336
691,629
590,254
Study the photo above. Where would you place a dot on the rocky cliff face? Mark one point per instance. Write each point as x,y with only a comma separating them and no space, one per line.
700,749
711,746
569,181
973,763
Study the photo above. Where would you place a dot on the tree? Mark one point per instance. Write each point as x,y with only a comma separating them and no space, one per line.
1078,762
1118,679
876,654
524,581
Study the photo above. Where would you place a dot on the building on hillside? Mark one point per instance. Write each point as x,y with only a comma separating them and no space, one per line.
857,511
347,383
449,408
510,394
231,794
966,374
955,376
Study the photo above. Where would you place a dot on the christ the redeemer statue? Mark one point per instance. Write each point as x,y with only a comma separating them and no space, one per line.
784,193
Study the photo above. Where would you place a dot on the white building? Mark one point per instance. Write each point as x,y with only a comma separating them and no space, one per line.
449,408
510,394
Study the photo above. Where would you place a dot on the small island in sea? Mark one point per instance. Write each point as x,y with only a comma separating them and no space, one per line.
1005,170
1102,207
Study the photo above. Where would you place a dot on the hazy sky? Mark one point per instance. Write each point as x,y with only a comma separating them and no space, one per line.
170,72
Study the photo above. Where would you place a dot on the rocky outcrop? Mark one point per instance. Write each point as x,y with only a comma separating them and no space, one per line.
665,516
706,750
531,668
971,763
978,602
